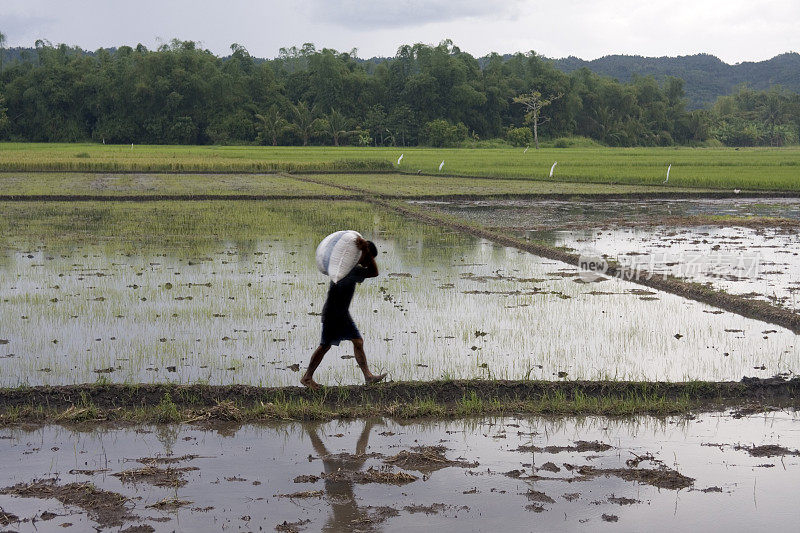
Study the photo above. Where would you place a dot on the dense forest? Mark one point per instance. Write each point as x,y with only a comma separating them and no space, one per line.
430,95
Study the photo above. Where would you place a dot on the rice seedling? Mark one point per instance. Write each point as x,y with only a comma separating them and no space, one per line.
225,293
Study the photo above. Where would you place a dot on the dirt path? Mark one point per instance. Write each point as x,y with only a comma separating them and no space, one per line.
242,403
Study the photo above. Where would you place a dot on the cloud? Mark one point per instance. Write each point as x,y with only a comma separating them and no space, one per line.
18,27
358,15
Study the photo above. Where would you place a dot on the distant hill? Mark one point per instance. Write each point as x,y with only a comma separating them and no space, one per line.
706,76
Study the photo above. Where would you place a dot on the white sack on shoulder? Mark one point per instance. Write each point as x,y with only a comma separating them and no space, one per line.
337,254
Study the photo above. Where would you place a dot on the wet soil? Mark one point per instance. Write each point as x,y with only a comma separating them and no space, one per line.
426,459
662,478
7,518
104,507
160,477
580,446
767,450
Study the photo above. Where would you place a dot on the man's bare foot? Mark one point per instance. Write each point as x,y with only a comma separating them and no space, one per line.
374,379
310,383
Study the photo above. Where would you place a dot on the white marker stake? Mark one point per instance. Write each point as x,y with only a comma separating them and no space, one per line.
400,159
668,168
553,168
525,151
441,165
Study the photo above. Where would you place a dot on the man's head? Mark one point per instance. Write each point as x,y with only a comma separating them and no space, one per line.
373,250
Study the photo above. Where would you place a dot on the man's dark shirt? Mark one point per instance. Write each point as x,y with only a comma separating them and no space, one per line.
340,294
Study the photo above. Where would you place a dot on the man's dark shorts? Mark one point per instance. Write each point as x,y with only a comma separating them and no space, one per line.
336,330
337,325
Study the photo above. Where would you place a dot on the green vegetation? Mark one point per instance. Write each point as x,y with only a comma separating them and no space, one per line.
293,186
750,118
153,185
706,76
720,168
189,229
92,157
202,403
435,95
414,186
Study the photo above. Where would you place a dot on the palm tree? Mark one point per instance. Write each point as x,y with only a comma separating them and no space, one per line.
272,124
306,122
2,45
337,126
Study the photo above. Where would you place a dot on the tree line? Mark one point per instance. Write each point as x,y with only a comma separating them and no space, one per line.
425,95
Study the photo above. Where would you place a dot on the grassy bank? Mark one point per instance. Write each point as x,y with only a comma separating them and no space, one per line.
720,168
196,403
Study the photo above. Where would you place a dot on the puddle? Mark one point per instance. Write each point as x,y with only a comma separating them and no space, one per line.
644,473
226,293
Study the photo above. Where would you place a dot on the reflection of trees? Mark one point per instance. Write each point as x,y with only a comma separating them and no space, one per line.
345,510
167,435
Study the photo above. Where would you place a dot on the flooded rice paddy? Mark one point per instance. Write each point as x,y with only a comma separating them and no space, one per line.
760,261
756,263
227,292
566,214
714,472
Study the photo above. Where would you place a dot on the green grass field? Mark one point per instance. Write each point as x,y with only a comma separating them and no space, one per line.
296,185
145,184
719,168
411,186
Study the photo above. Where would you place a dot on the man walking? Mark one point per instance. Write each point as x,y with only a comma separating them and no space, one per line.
337,325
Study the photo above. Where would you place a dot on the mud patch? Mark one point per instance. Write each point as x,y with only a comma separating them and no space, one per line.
7,518
302,494
767,450
169,504
580,446
539,497
434,508
141,528
160,477
166,460
371,475
426,459
292,527
621,500
662,478
106,508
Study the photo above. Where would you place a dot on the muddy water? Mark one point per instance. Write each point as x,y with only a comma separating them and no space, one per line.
165,292
762,263
629,475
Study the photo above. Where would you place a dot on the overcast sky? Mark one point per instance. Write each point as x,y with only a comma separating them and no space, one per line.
734,30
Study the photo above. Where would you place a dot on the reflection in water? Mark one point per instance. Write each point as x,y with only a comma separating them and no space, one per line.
339,492
240,470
